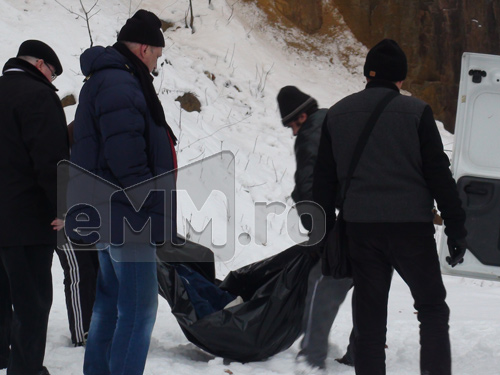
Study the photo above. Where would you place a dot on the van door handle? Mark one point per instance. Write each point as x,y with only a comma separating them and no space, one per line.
469,189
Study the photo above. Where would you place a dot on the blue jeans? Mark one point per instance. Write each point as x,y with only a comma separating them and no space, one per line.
124,311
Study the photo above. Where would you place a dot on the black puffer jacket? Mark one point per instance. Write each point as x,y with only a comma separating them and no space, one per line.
33,139
306,152
116,138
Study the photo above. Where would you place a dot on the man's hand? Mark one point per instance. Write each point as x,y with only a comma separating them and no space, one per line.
57,224
457,249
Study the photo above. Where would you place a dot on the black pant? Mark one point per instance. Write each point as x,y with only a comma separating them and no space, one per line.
26,279
5,317
80,277
415,259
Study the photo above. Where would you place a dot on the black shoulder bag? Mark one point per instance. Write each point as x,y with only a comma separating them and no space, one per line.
335,258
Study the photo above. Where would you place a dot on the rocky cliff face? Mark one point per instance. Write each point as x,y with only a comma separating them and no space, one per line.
306,14
433,33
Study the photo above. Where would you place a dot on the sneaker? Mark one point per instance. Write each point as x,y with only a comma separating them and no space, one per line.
303,367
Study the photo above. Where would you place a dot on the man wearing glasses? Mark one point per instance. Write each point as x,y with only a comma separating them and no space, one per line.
33,139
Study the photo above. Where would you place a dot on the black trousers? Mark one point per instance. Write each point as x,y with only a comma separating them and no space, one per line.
80,277
5,317
415,259
26,282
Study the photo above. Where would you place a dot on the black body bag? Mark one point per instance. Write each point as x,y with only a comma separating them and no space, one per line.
267,322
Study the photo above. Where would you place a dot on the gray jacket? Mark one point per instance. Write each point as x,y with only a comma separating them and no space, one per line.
402,170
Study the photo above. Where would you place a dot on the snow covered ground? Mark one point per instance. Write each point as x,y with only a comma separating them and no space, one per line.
250,62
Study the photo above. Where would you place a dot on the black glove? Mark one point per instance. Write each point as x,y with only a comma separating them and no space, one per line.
457,249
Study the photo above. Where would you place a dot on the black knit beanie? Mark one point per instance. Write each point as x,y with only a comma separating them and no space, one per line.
292,102
386,61
145,28
40,50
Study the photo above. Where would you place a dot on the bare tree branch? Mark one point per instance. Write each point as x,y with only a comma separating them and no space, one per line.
69,10
93,6
86,16
218,130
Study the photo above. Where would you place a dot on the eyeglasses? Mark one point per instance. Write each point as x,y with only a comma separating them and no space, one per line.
53,74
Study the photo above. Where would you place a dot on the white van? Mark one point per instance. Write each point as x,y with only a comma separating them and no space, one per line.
476,167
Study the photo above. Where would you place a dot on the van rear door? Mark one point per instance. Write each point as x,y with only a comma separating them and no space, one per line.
476,166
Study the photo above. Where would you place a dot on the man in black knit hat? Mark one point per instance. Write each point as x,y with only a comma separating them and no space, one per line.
388,208
300,113
34,138
121,135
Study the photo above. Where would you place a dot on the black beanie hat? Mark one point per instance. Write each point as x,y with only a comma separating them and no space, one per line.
144,27
386,61
292,102
40,50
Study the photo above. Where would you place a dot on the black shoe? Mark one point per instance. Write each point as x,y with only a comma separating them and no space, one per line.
345,360
44,371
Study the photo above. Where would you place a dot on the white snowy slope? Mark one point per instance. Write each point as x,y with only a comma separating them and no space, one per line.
250,62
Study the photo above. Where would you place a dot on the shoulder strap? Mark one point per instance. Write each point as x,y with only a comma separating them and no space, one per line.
363,138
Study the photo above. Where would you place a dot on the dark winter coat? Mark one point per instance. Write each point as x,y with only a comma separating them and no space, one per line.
306,152
402,170
116,139
33,139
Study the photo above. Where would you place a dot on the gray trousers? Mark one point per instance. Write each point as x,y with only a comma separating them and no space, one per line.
324,297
